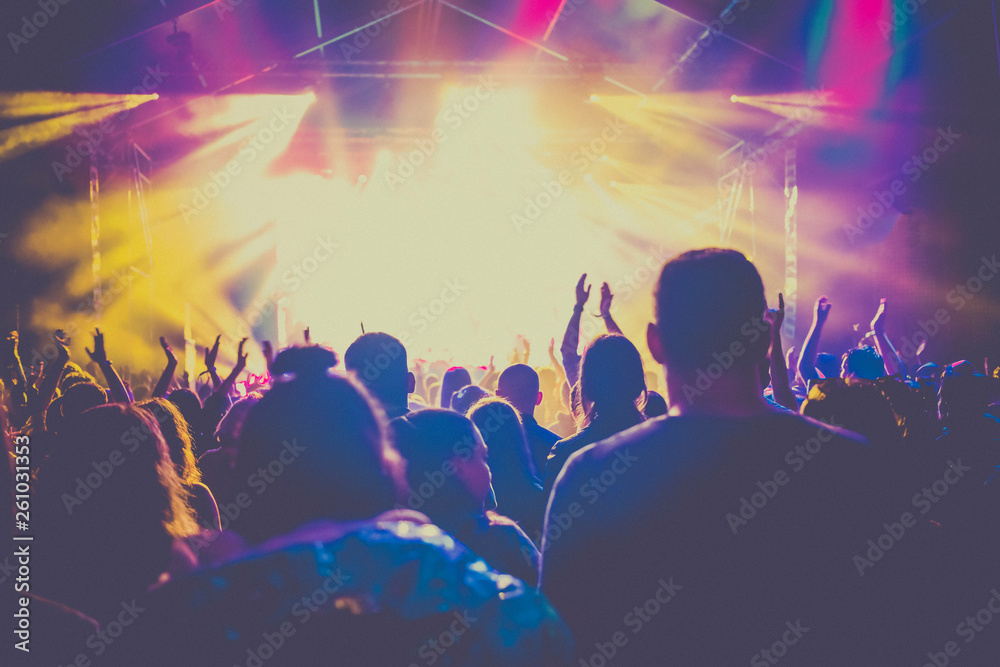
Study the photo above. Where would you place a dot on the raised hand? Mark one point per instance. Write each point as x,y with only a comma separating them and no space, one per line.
878,322
241,358
98,356
267,351
777,316
822,309
167,350
211,354
582,292
306,335
606,297
527,349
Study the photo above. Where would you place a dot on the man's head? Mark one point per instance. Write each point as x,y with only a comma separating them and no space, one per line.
519,385
379,361
709,305
862,362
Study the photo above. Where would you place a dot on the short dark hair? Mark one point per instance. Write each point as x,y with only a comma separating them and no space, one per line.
379,361
706,301
864,362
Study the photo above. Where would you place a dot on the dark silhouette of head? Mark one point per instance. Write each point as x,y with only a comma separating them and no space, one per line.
828,365
446,469
228,431
314,448
707,301
862,362
304,360
654,406
189,404
519,384
611,378
109,482
177,434
511,462
963,397
454,379
379,361
466,397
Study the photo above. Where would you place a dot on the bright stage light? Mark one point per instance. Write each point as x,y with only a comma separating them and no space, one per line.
595,98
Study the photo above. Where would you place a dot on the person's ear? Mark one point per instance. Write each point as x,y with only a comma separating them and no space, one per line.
538,401
653,341
411,383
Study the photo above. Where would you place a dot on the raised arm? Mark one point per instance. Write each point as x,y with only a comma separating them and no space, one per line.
49,383
890,359
609,322
168,373
571,339
216,405
119,394
211,354
807,361
14,378
779,371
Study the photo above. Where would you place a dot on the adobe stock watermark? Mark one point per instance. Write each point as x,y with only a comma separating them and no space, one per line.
463,448
779,649
87,484
421,318
100,641
293,277
752,330
915,168
272,642
582,158
568,9
635,620
222,179
49,9
902,13
924,500
259,480
968,629
957,297
558,522
108,128
363,38
455,116
434,648
796,458
713,29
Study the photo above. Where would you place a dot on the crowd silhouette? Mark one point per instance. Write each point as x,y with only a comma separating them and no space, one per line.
801,507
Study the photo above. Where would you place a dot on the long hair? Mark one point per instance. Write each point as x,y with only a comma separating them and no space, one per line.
511,462
611,378
109,505
177,434
314,447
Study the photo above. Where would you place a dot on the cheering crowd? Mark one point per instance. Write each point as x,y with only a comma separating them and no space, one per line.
358,507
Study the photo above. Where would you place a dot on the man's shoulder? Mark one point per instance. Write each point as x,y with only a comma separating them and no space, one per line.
682,437
535,431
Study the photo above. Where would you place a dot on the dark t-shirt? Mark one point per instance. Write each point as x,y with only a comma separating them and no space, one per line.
540,441
707,540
